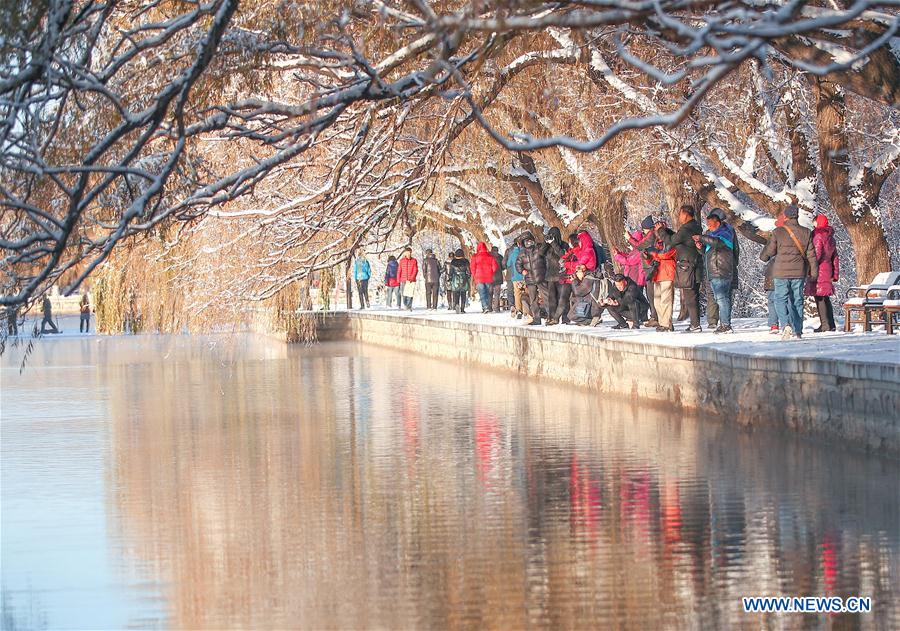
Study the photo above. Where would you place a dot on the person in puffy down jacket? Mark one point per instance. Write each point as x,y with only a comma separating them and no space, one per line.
483,267
822,288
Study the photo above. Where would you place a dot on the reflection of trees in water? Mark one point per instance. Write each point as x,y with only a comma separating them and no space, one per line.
362,490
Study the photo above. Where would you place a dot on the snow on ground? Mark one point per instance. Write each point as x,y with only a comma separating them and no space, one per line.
751,336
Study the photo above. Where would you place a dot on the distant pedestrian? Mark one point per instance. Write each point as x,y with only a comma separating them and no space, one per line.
459,273
431,271
362,271
791,246
47,309
391,282
822,288
718,245
12,321
84,324
483,267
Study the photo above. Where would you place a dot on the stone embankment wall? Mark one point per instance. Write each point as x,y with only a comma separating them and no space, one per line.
838,400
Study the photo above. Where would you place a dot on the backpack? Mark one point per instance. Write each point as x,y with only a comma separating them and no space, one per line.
459,278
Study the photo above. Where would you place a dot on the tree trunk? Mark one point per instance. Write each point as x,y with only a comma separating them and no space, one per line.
853,201
610,220
678,189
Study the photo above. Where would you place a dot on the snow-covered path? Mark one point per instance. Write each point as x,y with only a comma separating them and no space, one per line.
751,336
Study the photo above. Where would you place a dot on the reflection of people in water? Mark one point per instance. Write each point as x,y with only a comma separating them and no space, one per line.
584,493
487,442
47,308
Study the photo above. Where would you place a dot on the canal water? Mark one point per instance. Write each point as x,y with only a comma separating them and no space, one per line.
235,482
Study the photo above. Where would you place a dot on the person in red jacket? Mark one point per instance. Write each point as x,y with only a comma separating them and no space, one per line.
407,270
662,275
829,272
483,267
580,252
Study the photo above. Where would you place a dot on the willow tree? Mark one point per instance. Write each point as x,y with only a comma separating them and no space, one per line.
119,117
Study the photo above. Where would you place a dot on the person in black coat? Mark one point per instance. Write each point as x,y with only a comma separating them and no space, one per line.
687,261
497,285
554,249
533,265
626,301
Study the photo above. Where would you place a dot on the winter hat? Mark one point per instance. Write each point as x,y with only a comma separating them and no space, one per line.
458,253
791,212
821,221
647,223
718,213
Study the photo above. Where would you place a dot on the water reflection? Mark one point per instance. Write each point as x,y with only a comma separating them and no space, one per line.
253,485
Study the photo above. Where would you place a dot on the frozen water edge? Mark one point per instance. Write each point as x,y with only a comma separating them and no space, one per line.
751,336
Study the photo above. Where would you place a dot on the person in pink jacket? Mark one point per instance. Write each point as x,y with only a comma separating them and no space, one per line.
822,288
631,260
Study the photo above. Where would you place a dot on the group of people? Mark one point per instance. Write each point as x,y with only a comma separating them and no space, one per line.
48,322
570,281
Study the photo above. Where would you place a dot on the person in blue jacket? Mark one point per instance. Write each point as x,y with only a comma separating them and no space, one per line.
362,271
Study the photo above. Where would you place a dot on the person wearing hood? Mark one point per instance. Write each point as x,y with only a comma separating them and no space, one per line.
497,285
822,288
431,271
515,280
687,261
717,245
483,268
631,260
554,249
391,283
362,271
532,264
791,247
581,252
458,276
